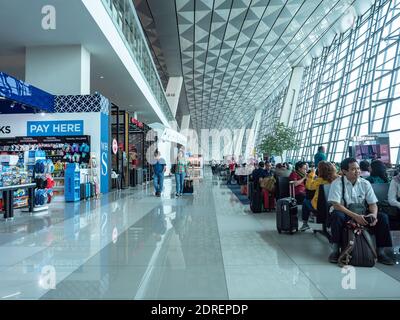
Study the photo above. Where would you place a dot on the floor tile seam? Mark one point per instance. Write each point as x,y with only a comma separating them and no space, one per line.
216,207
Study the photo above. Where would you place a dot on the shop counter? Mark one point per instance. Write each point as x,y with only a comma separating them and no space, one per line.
8,198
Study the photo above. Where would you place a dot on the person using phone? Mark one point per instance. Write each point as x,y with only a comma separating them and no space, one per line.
355,190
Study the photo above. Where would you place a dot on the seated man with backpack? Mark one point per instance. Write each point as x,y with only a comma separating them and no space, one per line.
348,195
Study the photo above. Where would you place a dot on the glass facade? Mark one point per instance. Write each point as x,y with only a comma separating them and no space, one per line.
353,88
271,113
126,21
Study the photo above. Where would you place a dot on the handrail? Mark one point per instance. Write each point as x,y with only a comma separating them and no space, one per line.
134,38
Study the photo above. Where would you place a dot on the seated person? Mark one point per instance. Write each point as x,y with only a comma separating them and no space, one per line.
281,171
394,193
378,172
364,167
357,191
326,175
299,178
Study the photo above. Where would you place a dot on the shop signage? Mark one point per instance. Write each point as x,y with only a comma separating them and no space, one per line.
5,129
137,122
115,146
55,128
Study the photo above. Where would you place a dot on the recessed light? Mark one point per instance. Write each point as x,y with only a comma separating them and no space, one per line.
101,77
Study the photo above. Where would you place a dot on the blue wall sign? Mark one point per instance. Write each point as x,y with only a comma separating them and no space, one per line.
55,128
104,152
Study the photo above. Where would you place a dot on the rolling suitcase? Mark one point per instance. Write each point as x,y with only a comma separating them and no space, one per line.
250,188
255,202
188,185
286,213
83,191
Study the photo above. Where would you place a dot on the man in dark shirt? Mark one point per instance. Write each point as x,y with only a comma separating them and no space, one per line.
258,174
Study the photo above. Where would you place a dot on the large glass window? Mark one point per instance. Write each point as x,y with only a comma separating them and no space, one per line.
353,88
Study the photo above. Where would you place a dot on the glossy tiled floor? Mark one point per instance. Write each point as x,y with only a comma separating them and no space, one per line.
132,245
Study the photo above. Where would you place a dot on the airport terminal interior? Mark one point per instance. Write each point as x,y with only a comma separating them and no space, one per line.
199,149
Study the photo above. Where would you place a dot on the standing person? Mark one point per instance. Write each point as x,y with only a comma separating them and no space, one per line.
180,173
159,167
319,156
268,191
232,169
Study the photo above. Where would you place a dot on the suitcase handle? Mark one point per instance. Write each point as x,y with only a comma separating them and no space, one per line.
292,192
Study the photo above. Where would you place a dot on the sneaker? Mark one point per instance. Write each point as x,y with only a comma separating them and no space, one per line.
158,194
385,259
334,256
176,194
304,227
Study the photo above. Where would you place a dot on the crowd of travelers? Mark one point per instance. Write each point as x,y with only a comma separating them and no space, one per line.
351,194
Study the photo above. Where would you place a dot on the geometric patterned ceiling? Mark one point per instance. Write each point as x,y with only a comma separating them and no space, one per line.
236,53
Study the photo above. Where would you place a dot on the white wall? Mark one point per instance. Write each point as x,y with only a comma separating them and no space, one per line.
46,65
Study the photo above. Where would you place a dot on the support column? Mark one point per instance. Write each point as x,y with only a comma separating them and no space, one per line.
185,122
173,93
60,70
292,95
252,134
238,135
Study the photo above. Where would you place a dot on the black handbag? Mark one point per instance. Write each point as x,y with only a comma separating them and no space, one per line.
173,168
357,247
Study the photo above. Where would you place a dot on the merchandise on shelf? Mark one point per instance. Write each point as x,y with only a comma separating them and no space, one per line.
43,169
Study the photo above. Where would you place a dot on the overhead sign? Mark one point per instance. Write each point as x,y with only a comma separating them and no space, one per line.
55,128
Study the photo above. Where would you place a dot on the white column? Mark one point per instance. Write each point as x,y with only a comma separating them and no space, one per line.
60,70
292,95
238,135
185,122
252,134
173,92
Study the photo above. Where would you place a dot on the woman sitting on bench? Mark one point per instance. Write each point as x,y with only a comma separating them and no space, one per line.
326,175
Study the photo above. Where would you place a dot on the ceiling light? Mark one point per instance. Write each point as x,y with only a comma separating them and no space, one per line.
42,114
101,77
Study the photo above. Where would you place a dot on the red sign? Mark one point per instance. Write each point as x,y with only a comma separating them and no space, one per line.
137,122
115,146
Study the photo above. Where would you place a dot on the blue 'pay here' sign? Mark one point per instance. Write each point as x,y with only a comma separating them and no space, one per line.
55,128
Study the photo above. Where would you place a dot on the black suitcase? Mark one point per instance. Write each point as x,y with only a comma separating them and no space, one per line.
92,189
286,213
256,201
188,186
83,191
250,188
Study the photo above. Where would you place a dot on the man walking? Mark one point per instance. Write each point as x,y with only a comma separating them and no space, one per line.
159,166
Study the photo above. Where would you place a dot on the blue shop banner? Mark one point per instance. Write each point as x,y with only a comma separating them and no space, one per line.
104,147
24,94
55,128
